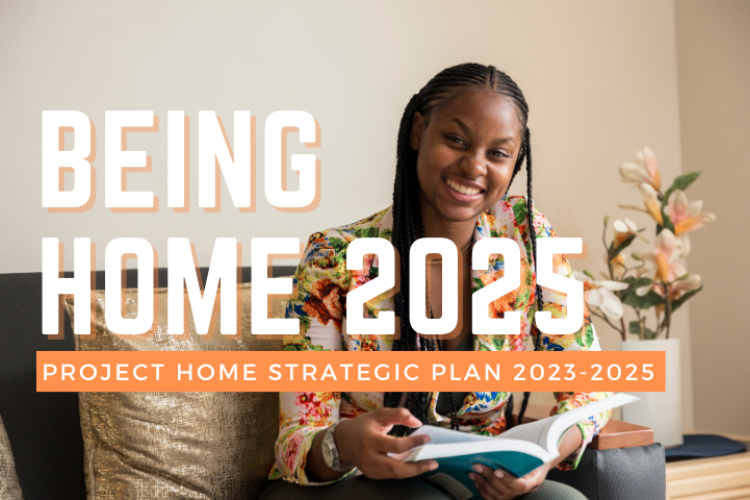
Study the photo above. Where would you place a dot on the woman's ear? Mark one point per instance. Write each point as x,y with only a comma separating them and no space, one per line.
417,127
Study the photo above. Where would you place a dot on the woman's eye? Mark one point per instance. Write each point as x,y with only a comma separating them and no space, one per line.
500,154
455,139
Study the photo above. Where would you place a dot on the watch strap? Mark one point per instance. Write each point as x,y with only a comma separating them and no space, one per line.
330,442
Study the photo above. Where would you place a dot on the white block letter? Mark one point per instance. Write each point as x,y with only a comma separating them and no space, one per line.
115,159
113,286
182,269
482,324
79,285
53,159
263,286
573,288
214,152
302,163
385,323
417,274
176,167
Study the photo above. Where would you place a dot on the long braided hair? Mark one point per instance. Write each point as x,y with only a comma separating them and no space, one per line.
407,213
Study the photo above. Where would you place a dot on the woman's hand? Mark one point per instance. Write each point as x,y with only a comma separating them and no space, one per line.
498,485
363,441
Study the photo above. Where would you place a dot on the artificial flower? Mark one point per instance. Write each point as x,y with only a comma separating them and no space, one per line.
643,169
681,287
686,216
617,263
666,252
651,201
692,282
601,295
623,231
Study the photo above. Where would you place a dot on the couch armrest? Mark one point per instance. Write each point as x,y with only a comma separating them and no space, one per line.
621,463
618,474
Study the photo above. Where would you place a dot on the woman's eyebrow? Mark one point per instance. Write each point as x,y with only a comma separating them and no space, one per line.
467,131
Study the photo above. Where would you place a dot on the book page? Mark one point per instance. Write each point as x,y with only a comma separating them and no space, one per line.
547,432
439,435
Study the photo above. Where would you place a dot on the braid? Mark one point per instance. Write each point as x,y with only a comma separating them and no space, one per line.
532,237
407,212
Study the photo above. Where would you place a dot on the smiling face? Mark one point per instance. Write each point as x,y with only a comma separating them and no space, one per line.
467,150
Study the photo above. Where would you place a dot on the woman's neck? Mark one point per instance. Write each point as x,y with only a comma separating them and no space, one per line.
460,233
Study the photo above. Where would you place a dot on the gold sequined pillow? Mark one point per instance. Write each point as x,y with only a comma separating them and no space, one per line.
9,487
202,445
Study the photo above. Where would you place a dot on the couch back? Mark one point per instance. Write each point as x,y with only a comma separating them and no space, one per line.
44,428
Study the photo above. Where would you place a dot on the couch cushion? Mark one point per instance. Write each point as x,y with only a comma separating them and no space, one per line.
9,487
176,445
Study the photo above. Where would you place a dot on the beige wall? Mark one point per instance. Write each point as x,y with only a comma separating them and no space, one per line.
600,78
713,54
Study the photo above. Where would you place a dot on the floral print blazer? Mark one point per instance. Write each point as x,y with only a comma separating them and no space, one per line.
318,300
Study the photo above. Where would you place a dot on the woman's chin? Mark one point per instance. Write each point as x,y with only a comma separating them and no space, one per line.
455,212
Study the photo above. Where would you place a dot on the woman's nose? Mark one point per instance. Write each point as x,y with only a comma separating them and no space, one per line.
474,163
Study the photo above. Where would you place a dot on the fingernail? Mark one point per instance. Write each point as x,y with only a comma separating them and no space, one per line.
433,465
499,473
426,440
472,476
477,468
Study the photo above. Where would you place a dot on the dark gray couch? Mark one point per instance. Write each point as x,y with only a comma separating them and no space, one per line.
44,428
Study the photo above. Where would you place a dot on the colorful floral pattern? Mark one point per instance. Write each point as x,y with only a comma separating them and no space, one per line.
318,299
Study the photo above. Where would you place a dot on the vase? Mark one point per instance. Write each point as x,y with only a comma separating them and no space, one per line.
661,411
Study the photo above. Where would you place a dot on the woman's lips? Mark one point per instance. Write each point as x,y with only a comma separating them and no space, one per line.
461,192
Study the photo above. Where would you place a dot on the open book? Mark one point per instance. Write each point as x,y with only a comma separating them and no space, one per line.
517,451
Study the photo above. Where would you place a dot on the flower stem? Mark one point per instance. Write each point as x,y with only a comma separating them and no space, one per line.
667,308
602,316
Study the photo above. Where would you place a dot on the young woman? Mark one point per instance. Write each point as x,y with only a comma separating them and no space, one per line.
461,141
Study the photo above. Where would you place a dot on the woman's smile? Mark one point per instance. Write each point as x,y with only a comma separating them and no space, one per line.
463,190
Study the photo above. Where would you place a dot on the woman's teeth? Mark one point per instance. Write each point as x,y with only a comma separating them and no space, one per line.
462,189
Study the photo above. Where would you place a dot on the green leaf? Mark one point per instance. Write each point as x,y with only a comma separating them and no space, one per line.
616,251
651,299
606,220
677,303
588,273
649,334
635,327
639,282
681,182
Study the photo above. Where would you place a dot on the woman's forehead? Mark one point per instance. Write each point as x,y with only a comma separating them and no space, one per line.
481,112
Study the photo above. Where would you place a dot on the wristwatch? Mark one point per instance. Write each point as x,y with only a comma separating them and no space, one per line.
331,452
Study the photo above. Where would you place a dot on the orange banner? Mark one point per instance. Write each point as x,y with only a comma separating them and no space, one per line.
256,371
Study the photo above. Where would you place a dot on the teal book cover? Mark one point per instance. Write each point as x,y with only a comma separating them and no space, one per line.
452,474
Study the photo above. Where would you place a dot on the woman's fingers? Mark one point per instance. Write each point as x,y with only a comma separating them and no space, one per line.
390,444
388,468
493,477
396,416
520,485
486,488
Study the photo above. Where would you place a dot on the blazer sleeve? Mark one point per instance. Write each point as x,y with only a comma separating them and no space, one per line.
583,340
318,298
